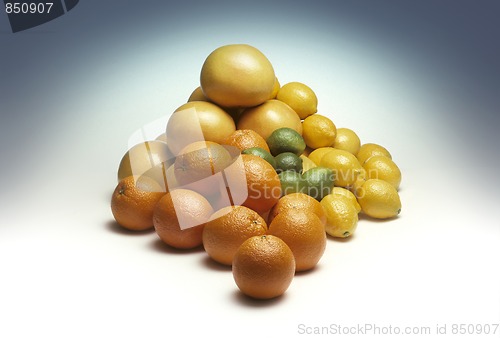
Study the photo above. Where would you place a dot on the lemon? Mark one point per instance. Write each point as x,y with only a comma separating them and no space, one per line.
319,182
307,163
379,199
288,161
319,131
368,150
344,165
317,154
286,140
348,194
292,182
269,116
237,76
300,98
347,139
382,167
341,215
261,153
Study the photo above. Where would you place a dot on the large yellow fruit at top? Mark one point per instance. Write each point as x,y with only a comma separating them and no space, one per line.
237,76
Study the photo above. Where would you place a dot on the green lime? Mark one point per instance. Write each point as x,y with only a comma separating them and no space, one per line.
292,182
286,140
261,153
288,161
319,182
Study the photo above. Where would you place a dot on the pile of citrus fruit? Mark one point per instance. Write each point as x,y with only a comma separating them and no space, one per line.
249,170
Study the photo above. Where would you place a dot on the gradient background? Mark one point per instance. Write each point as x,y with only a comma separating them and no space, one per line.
422,78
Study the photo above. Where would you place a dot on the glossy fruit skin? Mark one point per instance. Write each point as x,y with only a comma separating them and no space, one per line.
297,202
379,199
292,182
266,155
246,138
300,98
228,228
320,181
317,154
319,131
286,140
368,150
263,267
382,167
341,215
348,194
143,157
288,161
179,218
347,139
198,121
304,233
263,184
345,166
268,117
237,76
133,202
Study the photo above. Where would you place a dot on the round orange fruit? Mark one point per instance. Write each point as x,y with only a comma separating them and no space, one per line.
228,228
179,218
263,184
263,267
297,201
304,233
245,139
133,202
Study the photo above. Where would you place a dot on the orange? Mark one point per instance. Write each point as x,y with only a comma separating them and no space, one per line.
263,184
179,218
268,117
304,233
297,201
132,203
200,160
228,228
198,121
245,139
263,267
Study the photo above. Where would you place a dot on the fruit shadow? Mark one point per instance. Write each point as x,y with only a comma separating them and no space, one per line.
366,218
209,263
113,226
316,268
240,298
159,246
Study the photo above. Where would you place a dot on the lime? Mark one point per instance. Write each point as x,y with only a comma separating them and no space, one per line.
288,161
319,182
292,182
261,153
286,140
